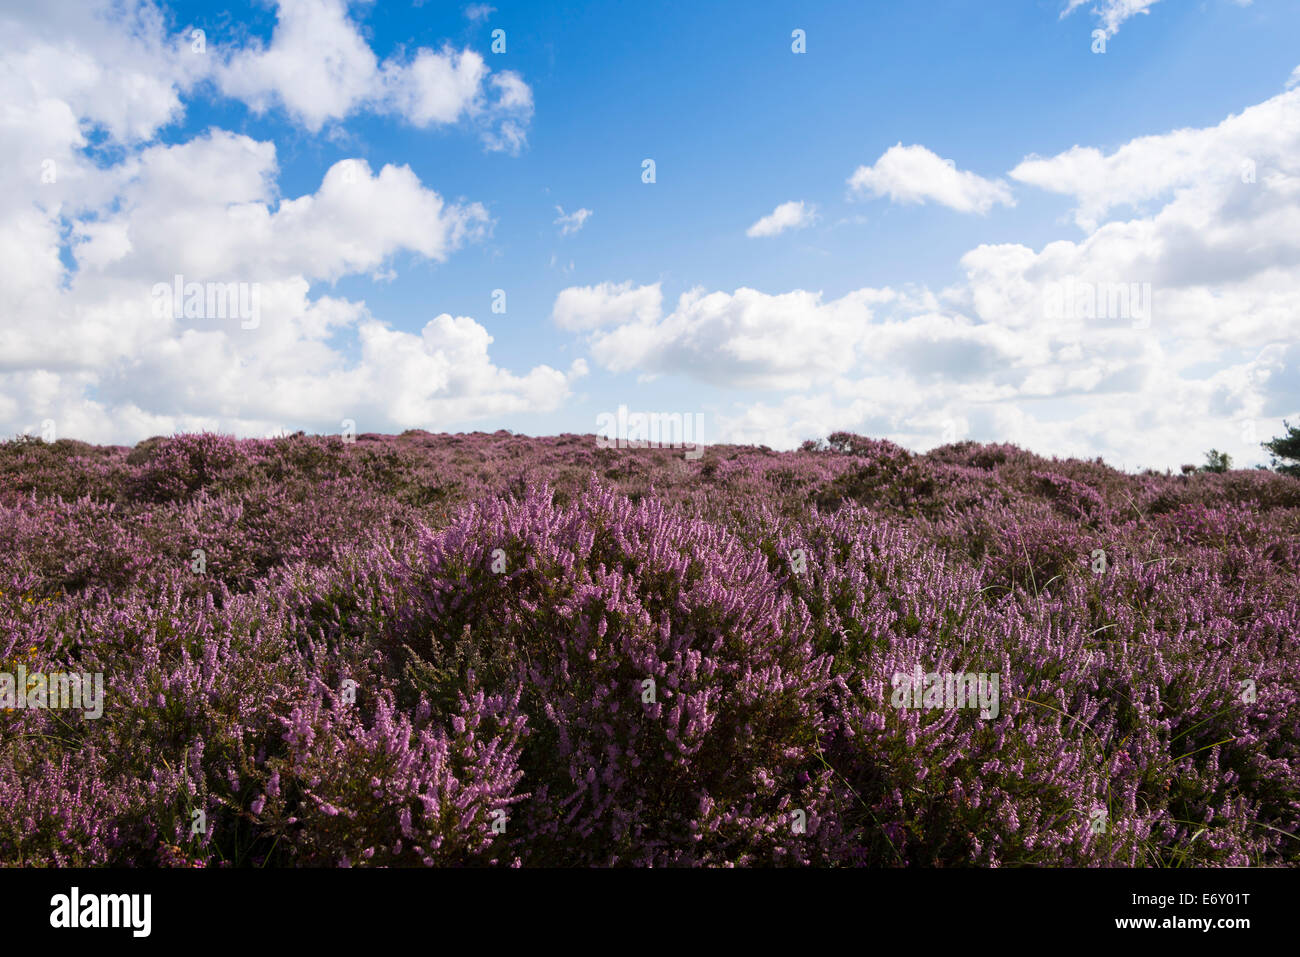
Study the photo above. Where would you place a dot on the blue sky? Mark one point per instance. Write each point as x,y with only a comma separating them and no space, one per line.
908,306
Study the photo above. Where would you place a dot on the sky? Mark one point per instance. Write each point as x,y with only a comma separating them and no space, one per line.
1069,224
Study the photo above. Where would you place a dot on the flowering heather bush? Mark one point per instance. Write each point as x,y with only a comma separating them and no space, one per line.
672,687
490,650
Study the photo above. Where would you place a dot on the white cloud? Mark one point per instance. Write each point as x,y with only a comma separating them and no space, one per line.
1214,262
434,88
479,11
112,68
745,338
571,222
590,307
1210,161
208,207
792,215
1112,13
913,174
321,70
83,345
317,65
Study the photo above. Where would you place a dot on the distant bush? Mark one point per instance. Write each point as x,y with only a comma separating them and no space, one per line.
1216,461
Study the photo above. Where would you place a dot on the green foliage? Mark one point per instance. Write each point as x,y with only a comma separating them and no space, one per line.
1216,461
1285,451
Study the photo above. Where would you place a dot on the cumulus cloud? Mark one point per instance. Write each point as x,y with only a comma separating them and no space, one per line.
88,241
320,69
112,68
913,174
220,186
590,307
1179,312
571,222
792,215
1210,161
745,338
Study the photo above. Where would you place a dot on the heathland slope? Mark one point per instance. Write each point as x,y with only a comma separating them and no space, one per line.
492,649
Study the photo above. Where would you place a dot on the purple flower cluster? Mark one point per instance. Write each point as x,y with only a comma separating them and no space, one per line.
491,650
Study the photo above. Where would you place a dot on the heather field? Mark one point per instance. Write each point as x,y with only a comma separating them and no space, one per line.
489,649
